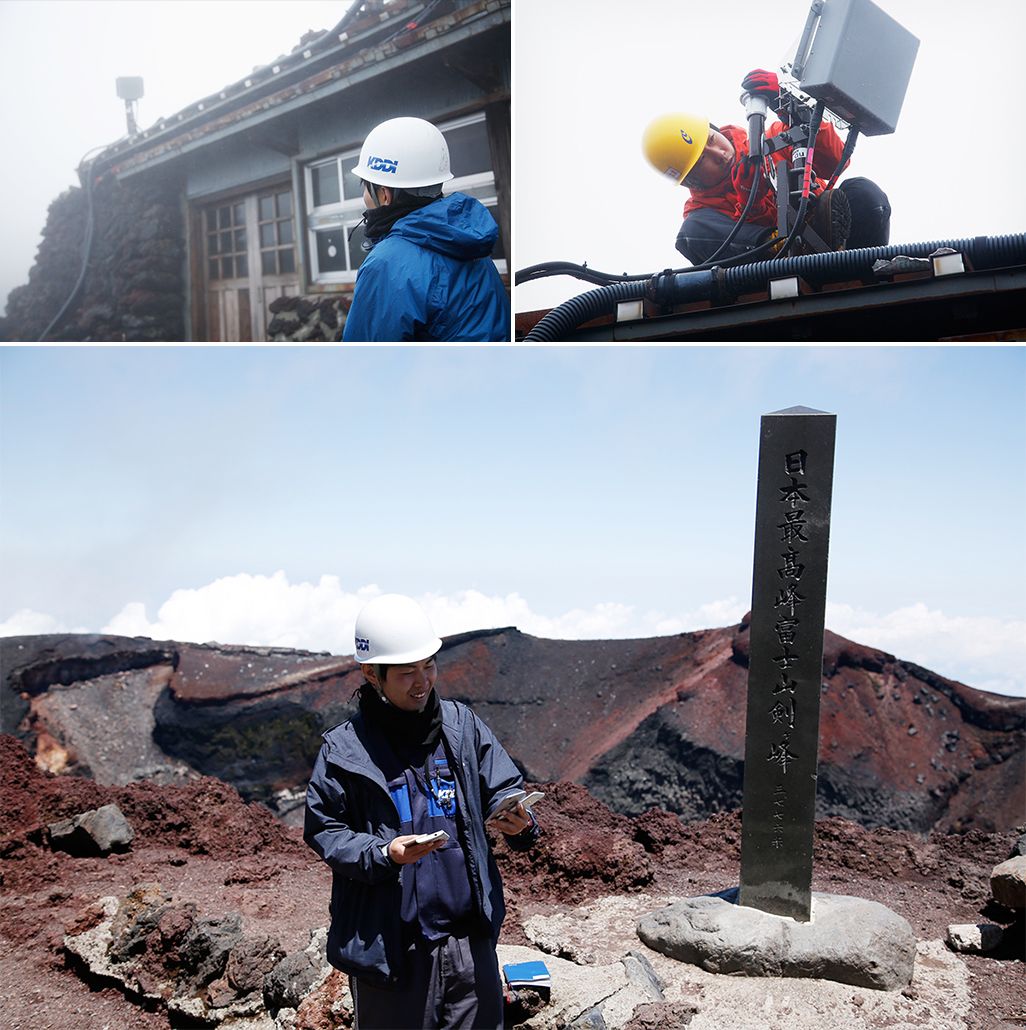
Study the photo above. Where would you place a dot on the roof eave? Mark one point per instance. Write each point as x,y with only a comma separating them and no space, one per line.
212,126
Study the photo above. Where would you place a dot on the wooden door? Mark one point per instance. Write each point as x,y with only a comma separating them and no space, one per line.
249,260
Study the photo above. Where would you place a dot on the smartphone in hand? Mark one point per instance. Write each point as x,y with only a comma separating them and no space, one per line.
430,838
518,797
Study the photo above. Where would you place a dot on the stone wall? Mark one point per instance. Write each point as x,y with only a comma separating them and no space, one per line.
308,319
134,287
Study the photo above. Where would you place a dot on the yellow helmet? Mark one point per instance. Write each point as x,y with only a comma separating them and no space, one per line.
673,143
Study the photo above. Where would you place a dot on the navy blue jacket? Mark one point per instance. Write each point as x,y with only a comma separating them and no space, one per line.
350,816
432,278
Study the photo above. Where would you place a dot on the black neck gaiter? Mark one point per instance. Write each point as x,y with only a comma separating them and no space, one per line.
377,221
405,731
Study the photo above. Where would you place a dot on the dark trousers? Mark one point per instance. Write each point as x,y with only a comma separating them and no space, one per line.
702,232
451,984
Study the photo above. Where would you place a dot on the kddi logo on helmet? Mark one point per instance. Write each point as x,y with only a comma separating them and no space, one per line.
362,644
383,164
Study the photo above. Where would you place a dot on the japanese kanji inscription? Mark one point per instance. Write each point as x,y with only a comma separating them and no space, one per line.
785,672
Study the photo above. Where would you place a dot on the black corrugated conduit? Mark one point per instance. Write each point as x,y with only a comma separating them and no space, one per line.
723,284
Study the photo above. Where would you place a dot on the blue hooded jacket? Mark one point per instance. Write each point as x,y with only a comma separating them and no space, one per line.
432,278
350,815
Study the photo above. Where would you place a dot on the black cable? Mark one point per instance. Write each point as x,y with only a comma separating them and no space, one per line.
592,275
799,221
87,247
756,182
849,146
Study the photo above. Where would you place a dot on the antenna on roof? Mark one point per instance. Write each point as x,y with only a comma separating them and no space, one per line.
130,90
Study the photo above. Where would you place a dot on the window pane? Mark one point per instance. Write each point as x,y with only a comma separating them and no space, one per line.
267,262
212,243
239,213
212,268
285,231
267,235
266,208
331,250
284,205
226,243
241,266
240,239
224,217
352,185
325,184
226,268
468,149
211,219
286,260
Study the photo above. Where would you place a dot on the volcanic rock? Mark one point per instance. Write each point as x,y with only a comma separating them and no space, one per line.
1008,883
978,938
96,832
298,974
588,997
202,856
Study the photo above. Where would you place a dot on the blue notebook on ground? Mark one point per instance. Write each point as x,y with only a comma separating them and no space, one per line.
526,973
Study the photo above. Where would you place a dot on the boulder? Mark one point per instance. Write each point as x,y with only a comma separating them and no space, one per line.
975,938
592,997
96,832
298,974
1008,883
250,961
205,971
849,940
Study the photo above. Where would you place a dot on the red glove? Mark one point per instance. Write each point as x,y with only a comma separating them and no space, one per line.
742,175
742,178
762,84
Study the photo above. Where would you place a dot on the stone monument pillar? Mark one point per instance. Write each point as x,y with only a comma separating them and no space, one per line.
785,670
773,925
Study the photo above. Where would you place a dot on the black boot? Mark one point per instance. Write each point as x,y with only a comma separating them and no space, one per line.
831,219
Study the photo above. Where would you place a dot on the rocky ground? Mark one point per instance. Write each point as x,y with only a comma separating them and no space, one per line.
577,898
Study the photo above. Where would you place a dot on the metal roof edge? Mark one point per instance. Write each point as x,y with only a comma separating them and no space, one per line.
124,154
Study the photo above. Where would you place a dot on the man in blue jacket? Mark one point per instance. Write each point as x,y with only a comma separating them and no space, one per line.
413,924
429,273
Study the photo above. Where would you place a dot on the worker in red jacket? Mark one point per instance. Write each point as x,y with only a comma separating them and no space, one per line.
711,162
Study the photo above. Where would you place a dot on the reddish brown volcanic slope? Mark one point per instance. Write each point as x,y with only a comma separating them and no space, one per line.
642,723
206,848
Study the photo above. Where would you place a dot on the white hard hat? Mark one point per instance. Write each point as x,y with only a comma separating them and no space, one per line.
394,630
404,153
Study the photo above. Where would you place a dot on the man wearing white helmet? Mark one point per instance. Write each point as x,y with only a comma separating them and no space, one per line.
429,273
413,924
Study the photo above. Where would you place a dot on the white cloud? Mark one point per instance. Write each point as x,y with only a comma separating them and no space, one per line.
26,622
269,610
981,651
984,652
248,609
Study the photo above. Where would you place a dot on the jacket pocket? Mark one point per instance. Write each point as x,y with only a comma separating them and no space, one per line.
365,932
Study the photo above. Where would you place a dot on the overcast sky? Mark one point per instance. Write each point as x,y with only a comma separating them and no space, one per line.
58,63
591,74
260,495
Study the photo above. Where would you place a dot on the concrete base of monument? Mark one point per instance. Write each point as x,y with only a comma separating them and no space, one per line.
849,940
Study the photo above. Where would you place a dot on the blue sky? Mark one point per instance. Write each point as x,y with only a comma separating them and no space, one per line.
260,495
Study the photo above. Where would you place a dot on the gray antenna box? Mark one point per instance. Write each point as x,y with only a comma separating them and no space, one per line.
860,64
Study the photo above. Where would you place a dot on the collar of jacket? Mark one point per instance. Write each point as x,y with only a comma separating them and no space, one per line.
378,221
350,747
